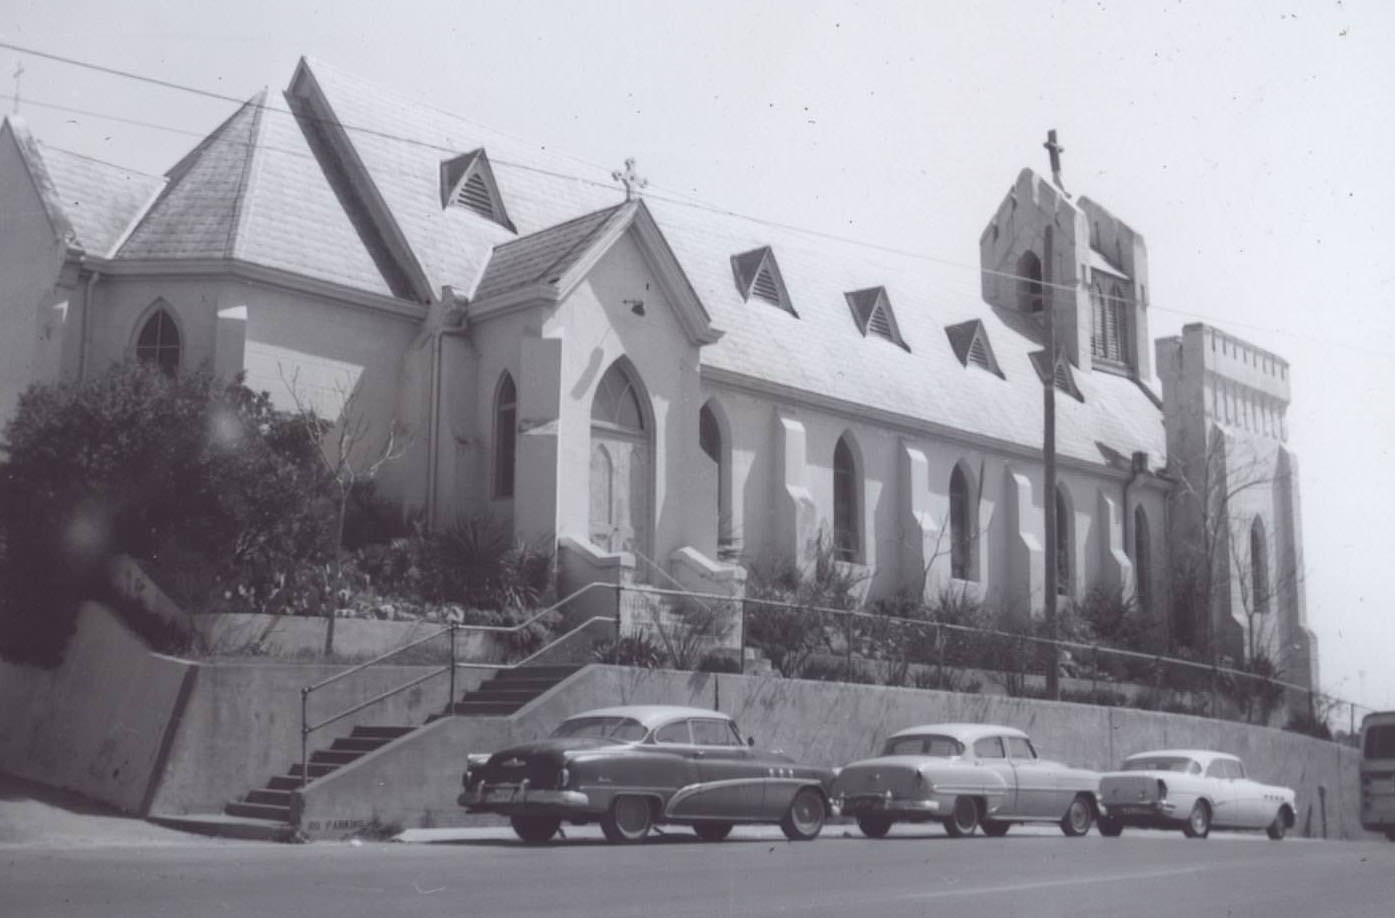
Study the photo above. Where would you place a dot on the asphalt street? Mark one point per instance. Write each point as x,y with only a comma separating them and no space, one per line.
916,871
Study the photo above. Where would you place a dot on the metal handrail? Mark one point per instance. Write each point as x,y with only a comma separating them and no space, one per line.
306,728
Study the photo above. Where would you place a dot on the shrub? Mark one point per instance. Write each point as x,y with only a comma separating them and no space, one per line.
636,649
135,462
718,661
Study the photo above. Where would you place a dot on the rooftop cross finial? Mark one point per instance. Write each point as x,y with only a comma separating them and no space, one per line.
1055,149
19,72
630,179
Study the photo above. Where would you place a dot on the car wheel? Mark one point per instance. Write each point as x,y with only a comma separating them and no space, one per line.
995,828
964,819
804,819
1080,815
1110,827
628,820
1198,821
1278,827
874,825
535,829
712,831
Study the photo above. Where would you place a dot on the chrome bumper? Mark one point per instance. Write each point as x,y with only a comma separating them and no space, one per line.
511,796
882,803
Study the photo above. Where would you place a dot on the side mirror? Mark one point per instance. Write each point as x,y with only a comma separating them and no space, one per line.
750,741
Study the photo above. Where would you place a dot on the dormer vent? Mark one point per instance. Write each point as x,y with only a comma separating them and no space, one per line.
969,340
757,275
467,181
871,309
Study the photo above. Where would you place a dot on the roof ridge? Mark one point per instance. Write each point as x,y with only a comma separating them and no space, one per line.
93,159
245,180
33,159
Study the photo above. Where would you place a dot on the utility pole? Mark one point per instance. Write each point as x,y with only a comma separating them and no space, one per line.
1048,449
1048,446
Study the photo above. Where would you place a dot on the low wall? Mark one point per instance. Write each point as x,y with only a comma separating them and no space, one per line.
354,638
99,723
414,781
241,724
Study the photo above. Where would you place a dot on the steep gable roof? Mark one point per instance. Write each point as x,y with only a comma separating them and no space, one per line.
542,257
100,199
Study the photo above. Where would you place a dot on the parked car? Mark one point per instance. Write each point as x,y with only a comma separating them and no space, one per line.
631,768
965,776
1195,790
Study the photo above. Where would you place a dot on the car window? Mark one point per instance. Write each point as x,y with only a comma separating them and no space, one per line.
1019,748
714,732
1218,769
989,748
1163,763
676,732
1238,767
932,744
623,729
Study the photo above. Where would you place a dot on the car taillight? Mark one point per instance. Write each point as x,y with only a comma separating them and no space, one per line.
465,778
1162,789
564,777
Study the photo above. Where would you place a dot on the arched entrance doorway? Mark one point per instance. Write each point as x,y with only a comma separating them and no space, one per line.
621,463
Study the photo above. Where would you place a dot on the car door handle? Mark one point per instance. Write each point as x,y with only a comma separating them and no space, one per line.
698,753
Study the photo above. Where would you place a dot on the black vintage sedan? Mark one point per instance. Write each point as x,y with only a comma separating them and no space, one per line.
631,768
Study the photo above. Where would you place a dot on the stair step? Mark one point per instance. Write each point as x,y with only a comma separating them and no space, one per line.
316,770
284,783
380,732
358,744
484,708
269,797
334,757
259,811
558,672
517,685
501,695
225,826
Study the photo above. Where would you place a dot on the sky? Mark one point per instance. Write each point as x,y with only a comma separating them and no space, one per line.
1249,142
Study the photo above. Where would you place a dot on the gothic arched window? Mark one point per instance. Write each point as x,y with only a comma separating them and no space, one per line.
505,436
962,527
847,542
159,341
1143,590
1064,561
1259,569
616,402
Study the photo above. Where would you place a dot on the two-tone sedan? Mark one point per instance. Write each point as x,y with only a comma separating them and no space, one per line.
965,776
631,768
1195,790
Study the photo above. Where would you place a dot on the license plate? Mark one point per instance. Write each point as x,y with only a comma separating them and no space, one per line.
500,794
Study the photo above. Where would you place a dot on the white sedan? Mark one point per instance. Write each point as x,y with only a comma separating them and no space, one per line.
1194,790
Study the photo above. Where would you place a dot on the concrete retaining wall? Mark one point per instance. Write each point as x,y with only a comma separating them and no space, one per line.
414,781
99,723
354,638
241,724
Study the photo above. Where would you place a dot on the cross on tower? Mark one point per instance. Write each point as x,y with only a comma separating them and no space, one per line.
1055,149
630,179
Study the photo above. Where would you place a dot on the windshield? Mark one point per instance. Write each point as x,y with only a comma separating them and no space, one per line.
1161,763
943,747
1380,742
620,729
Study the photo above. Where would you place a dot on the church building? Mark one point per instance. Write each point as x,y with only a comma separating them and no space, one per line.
666,393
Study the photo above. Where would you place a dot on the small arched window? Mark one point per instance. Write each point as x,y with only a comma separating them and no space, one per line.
1030,296
846,532
616,403
962,527
159,342
505,436
1143,591
1259,569
710,441
1064,562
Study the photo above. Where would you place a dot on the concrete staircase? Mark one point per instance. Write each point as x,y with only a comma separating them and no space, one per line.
266,812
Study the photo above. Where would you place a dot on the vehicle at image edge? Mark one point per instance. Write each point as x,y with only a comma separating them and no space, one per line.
964,776
631,768
1195,790
1378,773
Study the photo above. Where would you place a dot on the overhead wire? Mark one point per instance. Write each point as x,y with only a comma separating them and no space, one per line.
681,199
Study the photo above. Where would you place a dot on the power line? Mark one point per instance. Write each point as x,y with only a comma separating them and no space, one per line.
682,200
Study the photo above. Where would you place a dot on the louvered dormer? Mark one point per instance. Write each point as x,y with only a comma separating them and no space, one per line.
467,181
757,275
969,340
871,309
1064,375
